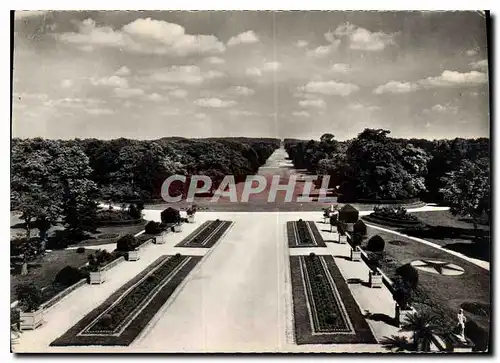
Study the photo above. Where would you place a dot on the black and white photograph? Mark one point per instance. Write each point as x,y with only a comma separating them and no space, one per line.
250,181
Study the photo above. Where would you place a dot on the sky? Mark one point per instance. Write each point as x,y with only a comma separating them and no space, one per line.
147,75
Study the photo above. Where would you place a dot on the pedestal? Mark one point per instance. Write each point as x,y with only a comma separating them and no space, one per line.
133,255
375,279
178,228
32,320
355,255
97,278
342,239
401,314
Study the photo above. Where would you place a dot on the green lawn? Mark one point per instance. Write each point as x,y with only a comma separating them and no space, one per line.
440,294
43,271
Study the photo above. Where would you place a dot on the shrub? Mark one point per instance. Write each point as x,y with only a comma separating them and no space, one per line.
375,244
374,259
134,211
126,243
360,228
113,216
170,215
153,227
409,274
341,228
14,316
334,218
478,335
402,293
106,320
29,297
191,211
80,250
68,276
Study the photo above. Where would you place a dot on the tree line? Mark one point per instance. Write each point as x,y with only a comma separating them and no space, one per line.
62,180
374,166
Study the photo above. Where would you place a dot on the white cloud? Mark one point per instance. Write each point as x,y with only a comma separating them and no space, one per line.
446,79
316,103
481,65
179,93
340,68
66,83
248,37
360,107
301,43
253,72
242,90
329,88
215,60
99,111
453,78
24,14
362,39
214,103
271,66
443,109
320,52
123,71
187,74
155,97
472,52
396,87
128,92
301,114
143,36
113,81
243,113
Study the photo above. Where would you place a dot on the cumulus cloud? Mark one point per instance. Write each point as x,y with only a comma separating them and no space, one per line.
320,52
301,114
188,74
123,71
253,71
446,79
215,60
340,68
316,103
99,111
243,113
361,107
66,83
329,88
113,81
481,65
271,66
128,92
25,14
179,93
360,38
214,103
301,43
242,90
396,87
472,52
155,97
248,37
443,109
143,36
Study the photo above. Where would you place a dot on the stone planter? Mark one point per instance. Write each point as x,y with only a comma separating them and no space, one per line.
375,279
32,320
342,239
355,254
401,314
160,239
190,219
133,255
97,277
178,228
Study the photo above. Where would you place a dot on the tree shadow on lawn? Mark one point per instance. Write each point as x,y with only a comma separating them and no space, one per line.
446,232
389,320
478,250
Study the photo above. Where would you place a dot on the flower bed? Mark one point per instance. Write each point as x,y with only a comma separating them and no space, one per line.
303,234
206,235
120,319
395,217
324,310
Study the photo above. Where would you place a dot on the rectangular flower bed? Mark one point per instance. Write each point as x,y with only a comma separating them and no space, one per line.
303,234
206,235
324,310
120,319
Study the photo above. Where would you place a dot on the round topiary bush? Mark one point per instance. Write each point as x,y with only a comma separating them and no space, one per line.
153,227
68,276
170,215
106,320
126,243
409,274
80,250
376,244
360,228
312,255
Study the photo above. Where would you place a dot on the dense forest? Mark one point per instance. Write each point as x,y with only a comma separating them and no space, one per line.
375,166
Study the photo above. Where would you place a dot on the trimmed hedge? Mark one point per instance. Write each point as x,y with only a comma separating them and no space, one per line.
376,244
69,275
409,274
80,250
